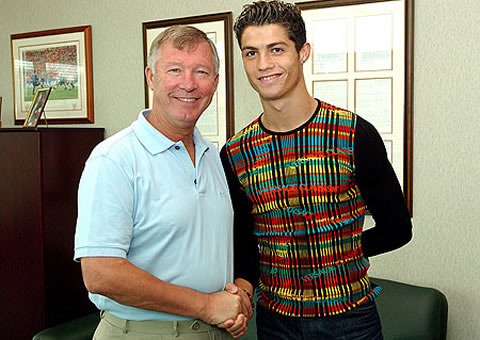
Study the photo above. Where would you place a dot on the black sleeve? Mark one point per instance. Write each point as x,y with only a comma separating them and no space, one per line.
381,192
245,245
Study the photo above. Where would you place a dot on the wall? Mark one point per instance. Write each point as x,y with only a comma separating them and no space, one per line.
444,253
117,48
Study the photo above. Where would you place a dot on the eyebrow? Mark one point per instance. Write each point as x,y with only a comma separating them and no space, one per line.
268,46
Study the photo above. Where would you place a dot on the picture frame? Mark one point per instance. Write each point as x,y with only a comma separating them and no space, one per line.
37,107
217,122
366,66
60,59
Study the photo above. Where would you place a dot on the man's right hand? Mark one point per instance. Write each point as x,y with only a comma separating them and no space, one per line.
247,308
238,327
221,306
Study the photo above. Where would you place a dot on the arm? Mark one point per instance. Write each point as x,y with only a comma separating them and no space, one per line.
246,267
127,284
382,193
102,242
245,249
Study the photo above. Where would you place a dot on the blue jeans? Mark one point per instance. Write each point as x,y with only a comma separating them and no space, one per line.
361,323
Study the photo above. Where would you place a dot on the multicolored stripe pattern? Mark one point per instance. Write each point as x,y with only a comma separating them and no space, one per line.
308,214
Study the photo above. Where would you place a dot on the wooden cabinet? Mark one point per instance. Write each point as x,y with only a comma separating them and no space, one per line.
40,284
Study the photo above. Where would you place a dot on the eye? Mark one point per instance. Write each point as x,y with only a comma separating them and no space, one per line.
277,50
249,54
174,70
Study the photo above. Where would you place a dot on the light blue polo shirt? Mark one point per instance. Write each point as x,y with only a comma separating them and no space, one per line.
141,198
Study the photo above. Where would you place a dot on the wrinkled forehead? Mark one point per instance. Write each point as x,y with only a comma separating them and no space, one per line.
191,54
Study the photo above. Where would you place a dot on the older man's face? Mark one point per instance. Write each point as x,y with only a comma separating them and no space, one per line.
183,83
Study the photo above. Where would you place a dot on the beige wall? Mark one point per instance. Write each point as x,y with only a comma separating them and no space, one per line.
445,250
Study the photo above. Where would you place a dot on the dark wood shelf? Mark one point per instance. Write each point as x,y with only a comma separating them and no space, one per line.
40,284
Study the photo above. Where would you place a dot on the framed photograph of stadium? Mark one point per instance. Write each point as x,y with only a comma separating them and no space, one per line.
37,107
60,59
217,122
362,60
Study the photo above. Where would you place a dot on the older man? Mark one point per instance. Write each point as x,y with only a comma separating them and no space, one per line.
154,229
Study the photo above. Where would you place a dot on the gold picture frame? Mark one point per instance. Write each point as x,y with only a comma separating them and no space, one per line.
37,107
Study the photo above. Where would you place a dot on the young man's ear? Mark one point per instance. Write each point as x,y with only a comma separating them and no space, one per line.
304,52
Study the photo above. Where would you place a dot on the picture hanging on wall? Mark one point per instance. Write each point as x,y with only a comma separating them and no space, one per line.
60,59
217,122
362,61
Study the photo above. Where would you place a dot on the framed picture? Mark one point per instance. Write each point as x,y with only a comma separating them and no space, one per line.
37,107
362,60
217,122
60,59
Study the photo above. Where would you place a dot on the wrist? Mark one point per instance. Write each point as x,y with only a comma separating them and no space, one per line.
204,311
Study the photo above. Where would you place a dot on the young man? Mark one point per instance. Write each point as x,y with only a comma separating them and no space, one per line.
154,229
301,177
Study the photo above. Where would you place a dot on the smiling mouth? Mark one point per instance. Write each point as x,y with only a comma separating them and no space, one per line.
270,77
186,100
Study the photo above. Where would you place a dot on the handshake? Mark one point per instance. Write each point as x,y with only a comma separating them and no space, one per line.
230,309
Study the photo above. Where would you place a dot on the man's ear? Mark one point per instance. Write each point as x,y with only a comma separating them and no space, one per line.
215,84
304,52
149,77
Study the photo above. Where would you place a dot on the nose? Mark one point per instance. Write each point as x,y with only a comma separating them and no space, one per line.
189,82
264,61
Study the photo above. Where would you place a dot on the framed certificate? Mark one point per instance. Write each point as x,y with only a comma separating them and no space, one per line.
362,61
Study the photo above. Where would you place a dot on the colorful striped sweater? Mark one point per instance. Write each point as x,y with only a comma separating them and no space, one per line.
308,213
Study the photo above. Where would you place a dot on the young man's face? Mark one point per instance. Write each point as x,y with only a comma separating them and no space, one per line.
272,64
183,83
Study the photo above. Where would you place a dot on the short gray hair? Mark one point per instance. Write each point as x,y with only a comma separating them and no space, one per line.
181,36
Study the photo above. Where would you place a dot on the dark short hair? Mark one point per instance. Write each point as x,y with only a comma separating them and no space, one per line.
262,13
181,36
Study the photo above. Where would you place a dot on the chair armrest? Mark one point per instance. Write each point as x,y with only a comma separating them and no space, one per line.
411,312
78,329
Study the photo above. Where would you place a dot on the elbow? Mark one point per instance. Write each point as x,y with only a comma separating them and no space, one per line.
407,237
408,233
94,277
404,237
90,280
92,286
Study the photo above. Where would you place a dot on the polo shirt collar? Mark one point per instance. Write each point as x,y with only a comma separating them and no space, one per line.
155,142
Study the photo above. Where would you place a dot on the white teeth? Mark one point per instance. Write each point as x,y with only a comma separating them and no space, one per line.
268,78
188,100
